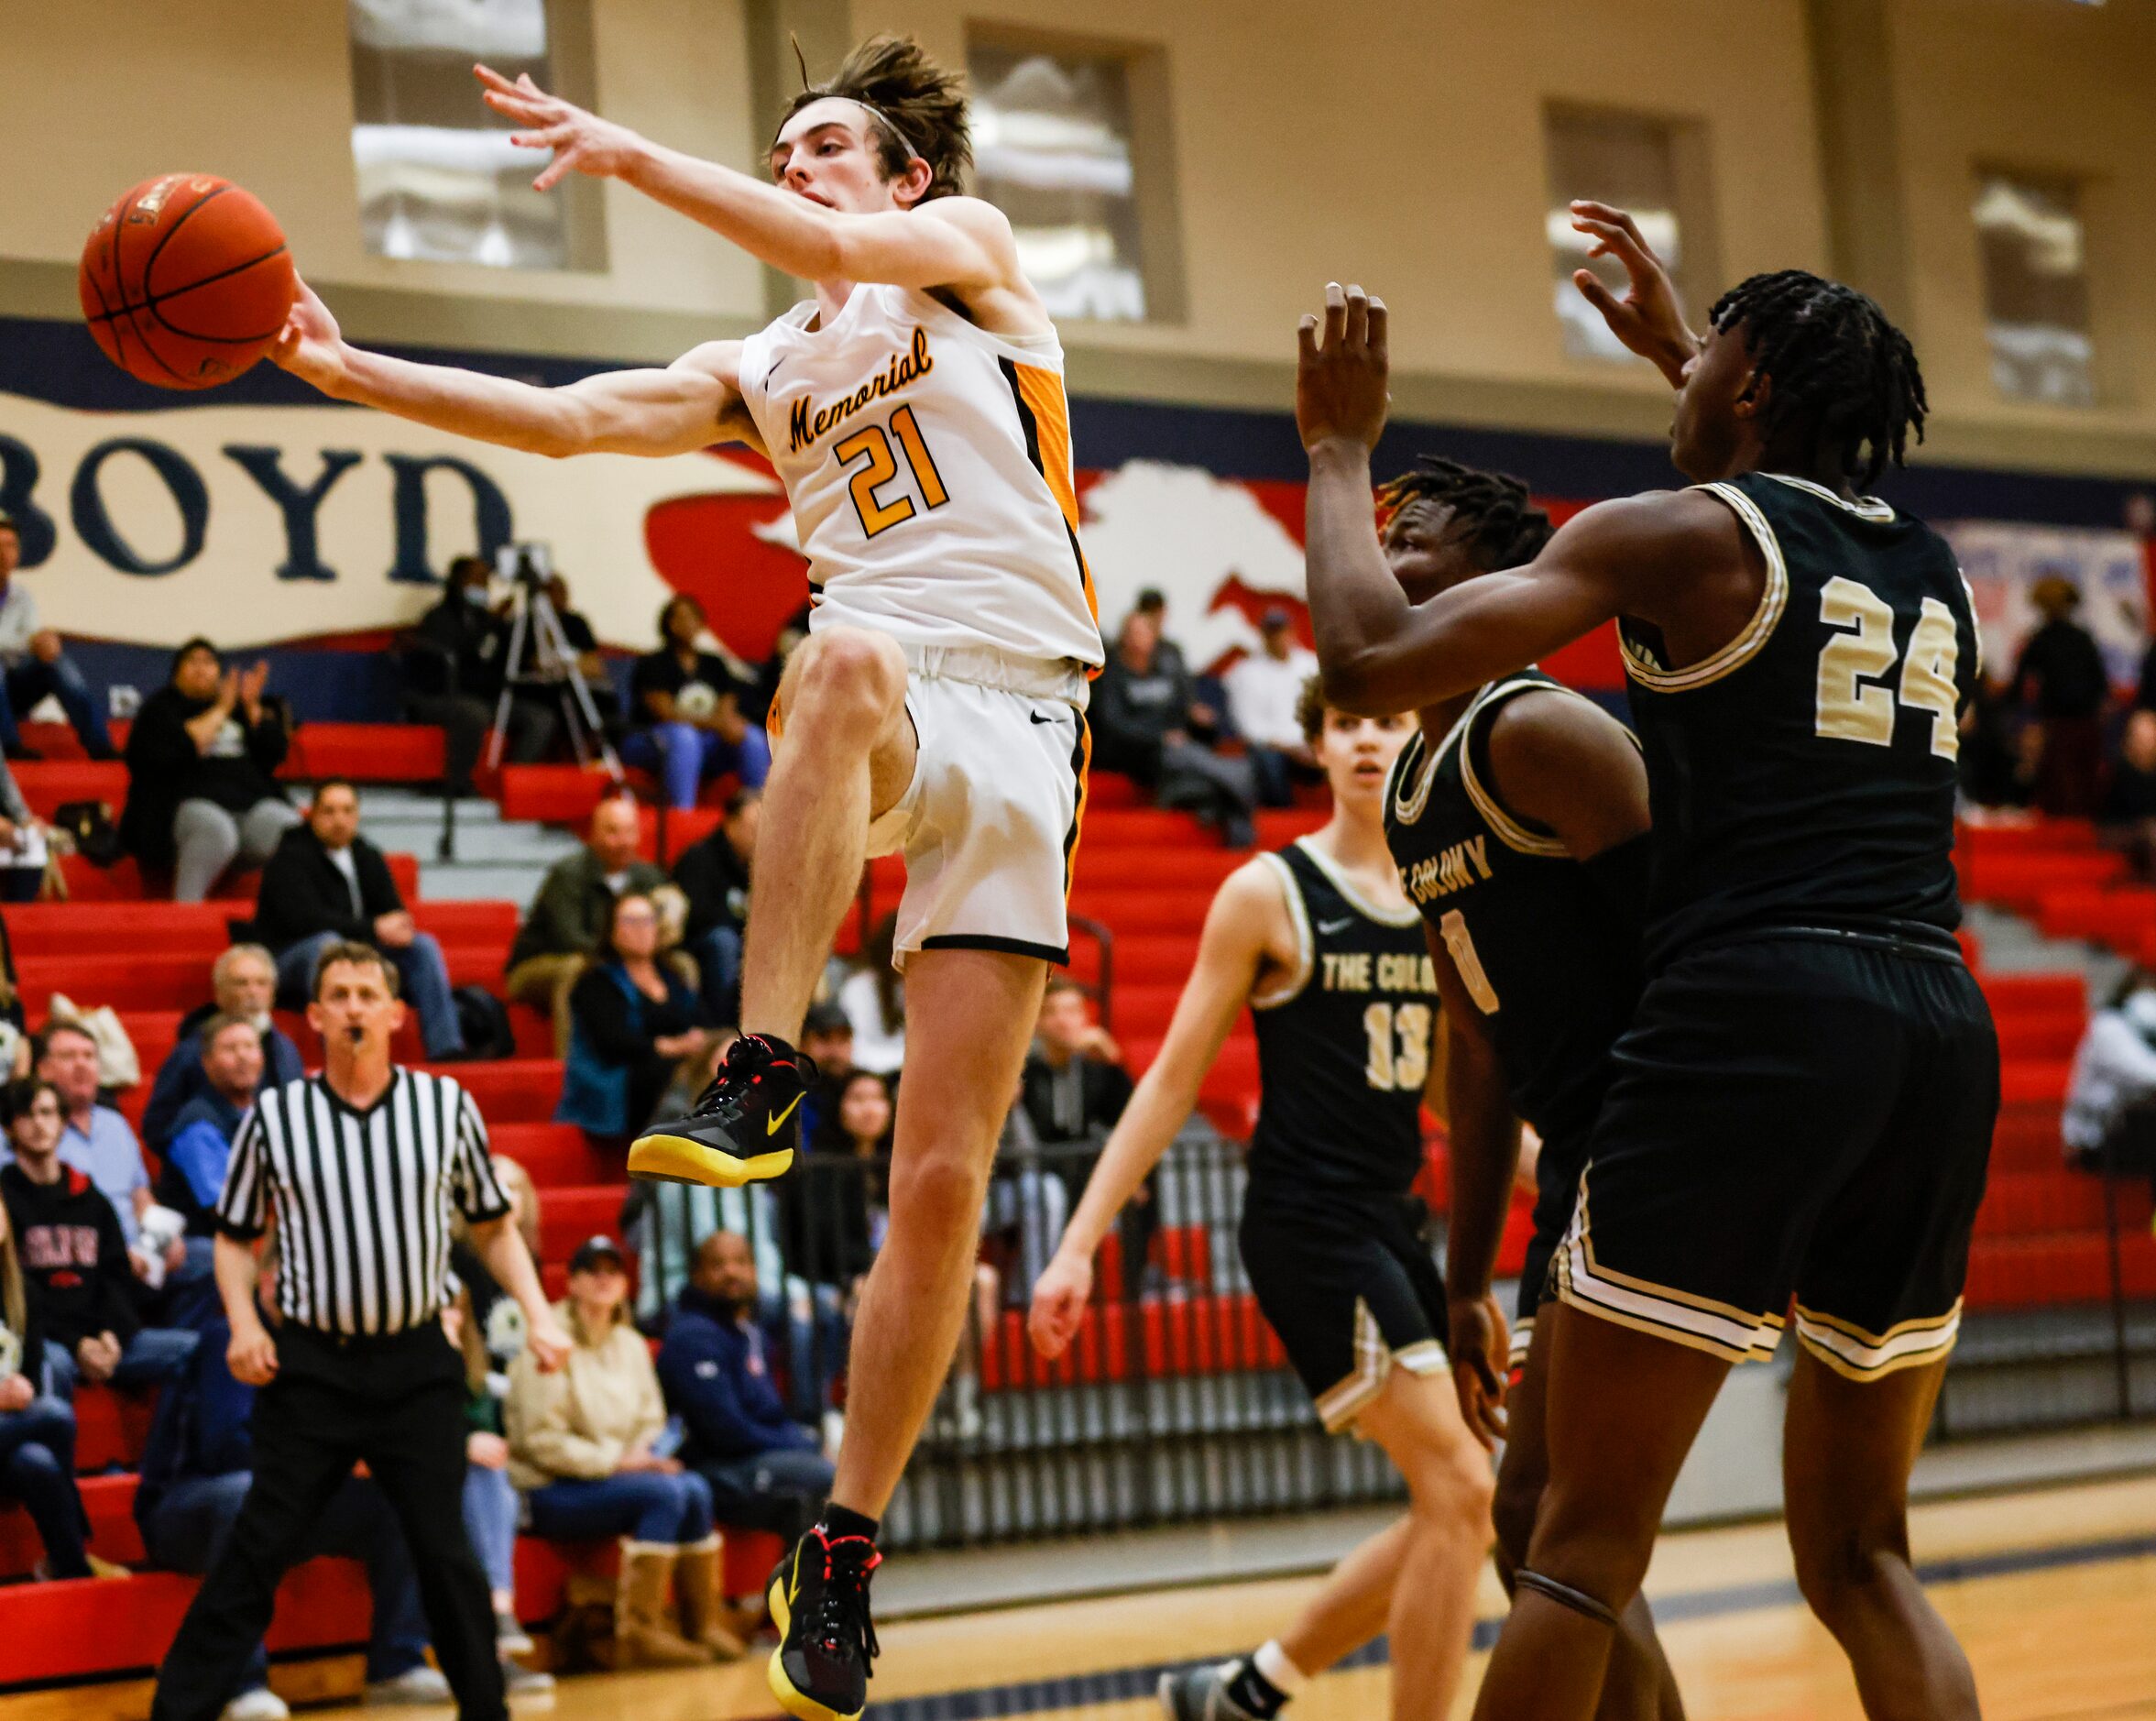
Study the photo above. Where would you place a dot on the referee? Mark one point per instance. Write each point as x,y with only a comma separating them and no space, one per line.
359,1167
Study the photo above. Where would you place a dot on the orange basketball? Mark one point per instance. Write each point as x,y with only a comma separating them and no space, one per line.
186,281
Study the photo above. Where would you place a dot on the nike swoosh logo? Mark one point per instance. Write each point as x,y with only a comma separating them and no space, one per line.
772,1128
1330,926
1037,718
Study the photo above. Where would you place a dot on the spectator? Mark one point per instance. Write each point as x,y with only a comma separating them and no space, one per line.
826,1039
584,1446
1028,1204
574,902
37,1429
833,1210
490,1504
197,1465
2061,676
1265,691
1072,1092
22,843
1989,765
2129,810
576,629
74,1259
714,876
35,665
2110,1118
454,662
757,697
201,1142
202,764
764,1469
634,1019
95,1139
243,983
1142,712
14,1037
874,1000
1152,604
327,884
687,705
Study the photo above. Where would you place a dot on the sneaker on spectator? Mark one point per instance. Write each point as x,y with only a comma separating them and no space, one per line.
510,1635
420,1685
525,1682
258,1704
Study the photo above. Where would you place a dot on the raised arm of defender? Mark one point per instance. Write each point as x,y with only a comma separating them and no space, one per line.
1247,918
691,404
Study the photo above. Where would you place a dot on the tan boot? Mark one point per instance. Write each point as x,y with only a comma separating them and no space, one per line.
643,1631
704,1612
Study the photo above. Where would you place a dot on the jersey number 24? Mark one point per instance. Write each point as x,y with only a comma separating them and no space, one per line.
1851,707
880,465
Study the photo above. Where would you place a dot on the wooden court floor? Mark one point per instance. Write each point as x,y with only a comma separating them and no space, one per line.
2053,1592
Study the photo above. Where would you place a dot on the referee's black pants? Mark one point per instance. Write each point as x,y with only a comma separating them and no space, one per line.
399,1404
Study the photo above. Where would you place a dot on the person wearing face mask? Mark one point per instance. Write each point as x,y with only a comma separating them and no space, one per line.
454,662
243,984
202,768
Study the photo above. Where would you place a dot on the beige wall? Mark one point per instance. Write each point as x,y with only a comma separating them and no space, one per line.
1395,140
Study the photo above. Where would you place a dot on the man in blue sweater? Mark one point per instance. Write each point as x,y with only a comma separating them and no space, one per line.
764,1468
196,1466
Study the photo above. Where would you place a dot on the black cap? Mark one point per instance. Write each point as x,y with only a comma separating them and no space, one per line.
825,1018
593,1250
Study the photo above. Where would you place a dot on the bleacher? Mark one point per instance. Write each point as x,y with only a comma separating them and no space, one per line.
1145,877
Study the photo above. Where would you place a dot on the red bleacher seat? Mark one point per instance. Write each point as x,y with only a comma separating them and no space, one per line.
366,752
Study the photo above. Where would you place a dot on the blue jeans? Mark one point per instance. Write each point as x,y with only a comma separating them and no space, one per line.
188,1530
781,1490
817,1337
29,681
718,951
422,974
153,1356
490,1519
683,755
644,1505
38,1467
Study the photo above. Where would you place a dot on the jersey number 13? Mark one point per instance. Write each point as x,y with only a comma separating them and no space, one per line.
1399,1046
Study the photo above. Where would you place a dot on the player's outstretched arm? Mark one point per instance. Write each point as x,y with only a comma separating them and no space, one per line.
1649,318
689,405
960,242
1238,930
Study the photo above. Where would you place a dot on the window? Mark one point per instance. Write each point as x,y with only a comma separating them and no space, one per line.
1060,145
1654,169
2035,286
439,180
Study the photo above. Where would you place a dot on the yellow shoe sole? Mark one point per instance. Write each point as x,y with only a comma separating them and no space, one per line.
677,1160
793,1702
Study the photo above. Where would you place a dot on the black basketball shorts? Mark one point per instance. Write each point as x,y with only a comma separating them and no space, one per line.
1557,1192
1799,1126
1349,1285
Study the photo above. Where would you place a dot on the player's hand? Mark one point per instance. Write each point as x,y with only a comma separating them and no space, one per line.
1059,1299
582,142
1340,370
1478,1345
546,1340
311,347
1649,318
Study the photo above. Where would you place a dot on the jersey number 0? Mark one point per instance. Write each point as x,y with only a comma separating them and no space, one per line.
881,467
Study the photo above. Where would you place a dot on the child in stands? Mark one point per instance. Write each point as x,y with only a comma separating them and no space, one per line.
36,1430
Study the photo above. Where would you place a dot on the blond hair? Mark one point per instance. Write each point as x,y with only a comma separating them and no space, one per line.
14,1304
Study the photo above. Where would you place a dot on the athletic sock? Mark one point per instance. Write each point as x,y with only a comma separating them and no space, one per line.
1264,1682
838,1521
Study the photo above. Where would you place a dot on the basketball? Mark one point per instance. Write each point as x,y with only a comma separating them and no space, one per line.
186,281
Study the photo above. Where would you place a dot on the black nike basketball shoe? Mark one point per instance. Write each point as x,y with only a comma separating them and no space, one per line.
744,1128
820,1601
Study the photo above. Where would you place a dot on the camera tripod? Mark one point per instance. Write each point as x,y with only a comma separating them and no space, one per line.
540,657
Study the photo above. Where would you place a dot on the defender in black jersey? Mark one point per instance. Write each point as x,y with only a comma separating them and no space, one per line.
1803,1107
1319,942
1518,817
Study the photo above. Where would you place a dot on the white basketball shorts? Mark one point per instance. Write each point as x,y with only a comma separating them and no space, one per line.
990,823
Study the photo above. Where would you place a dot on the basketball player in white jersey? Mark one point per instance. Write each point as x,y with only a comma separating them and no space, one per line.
914,410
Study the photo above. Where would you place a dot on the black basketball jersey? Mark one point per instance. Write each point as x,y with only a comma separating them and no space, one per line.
1344,1041
1553,969
1803,775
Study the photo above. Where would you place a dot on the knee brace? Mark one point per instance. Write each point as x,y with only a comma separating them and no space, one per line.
1565,1595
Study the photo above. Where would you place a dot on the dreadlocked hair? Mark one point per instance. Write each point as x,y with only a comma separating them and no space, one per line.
1491,515
914,108
1836,364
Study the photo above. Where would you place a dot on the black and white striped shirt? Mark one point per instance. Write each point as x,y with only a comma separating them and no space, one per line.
363,1199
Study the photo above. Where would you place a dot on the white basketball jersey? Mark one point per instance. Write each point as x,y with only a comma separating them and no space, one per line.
930,472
